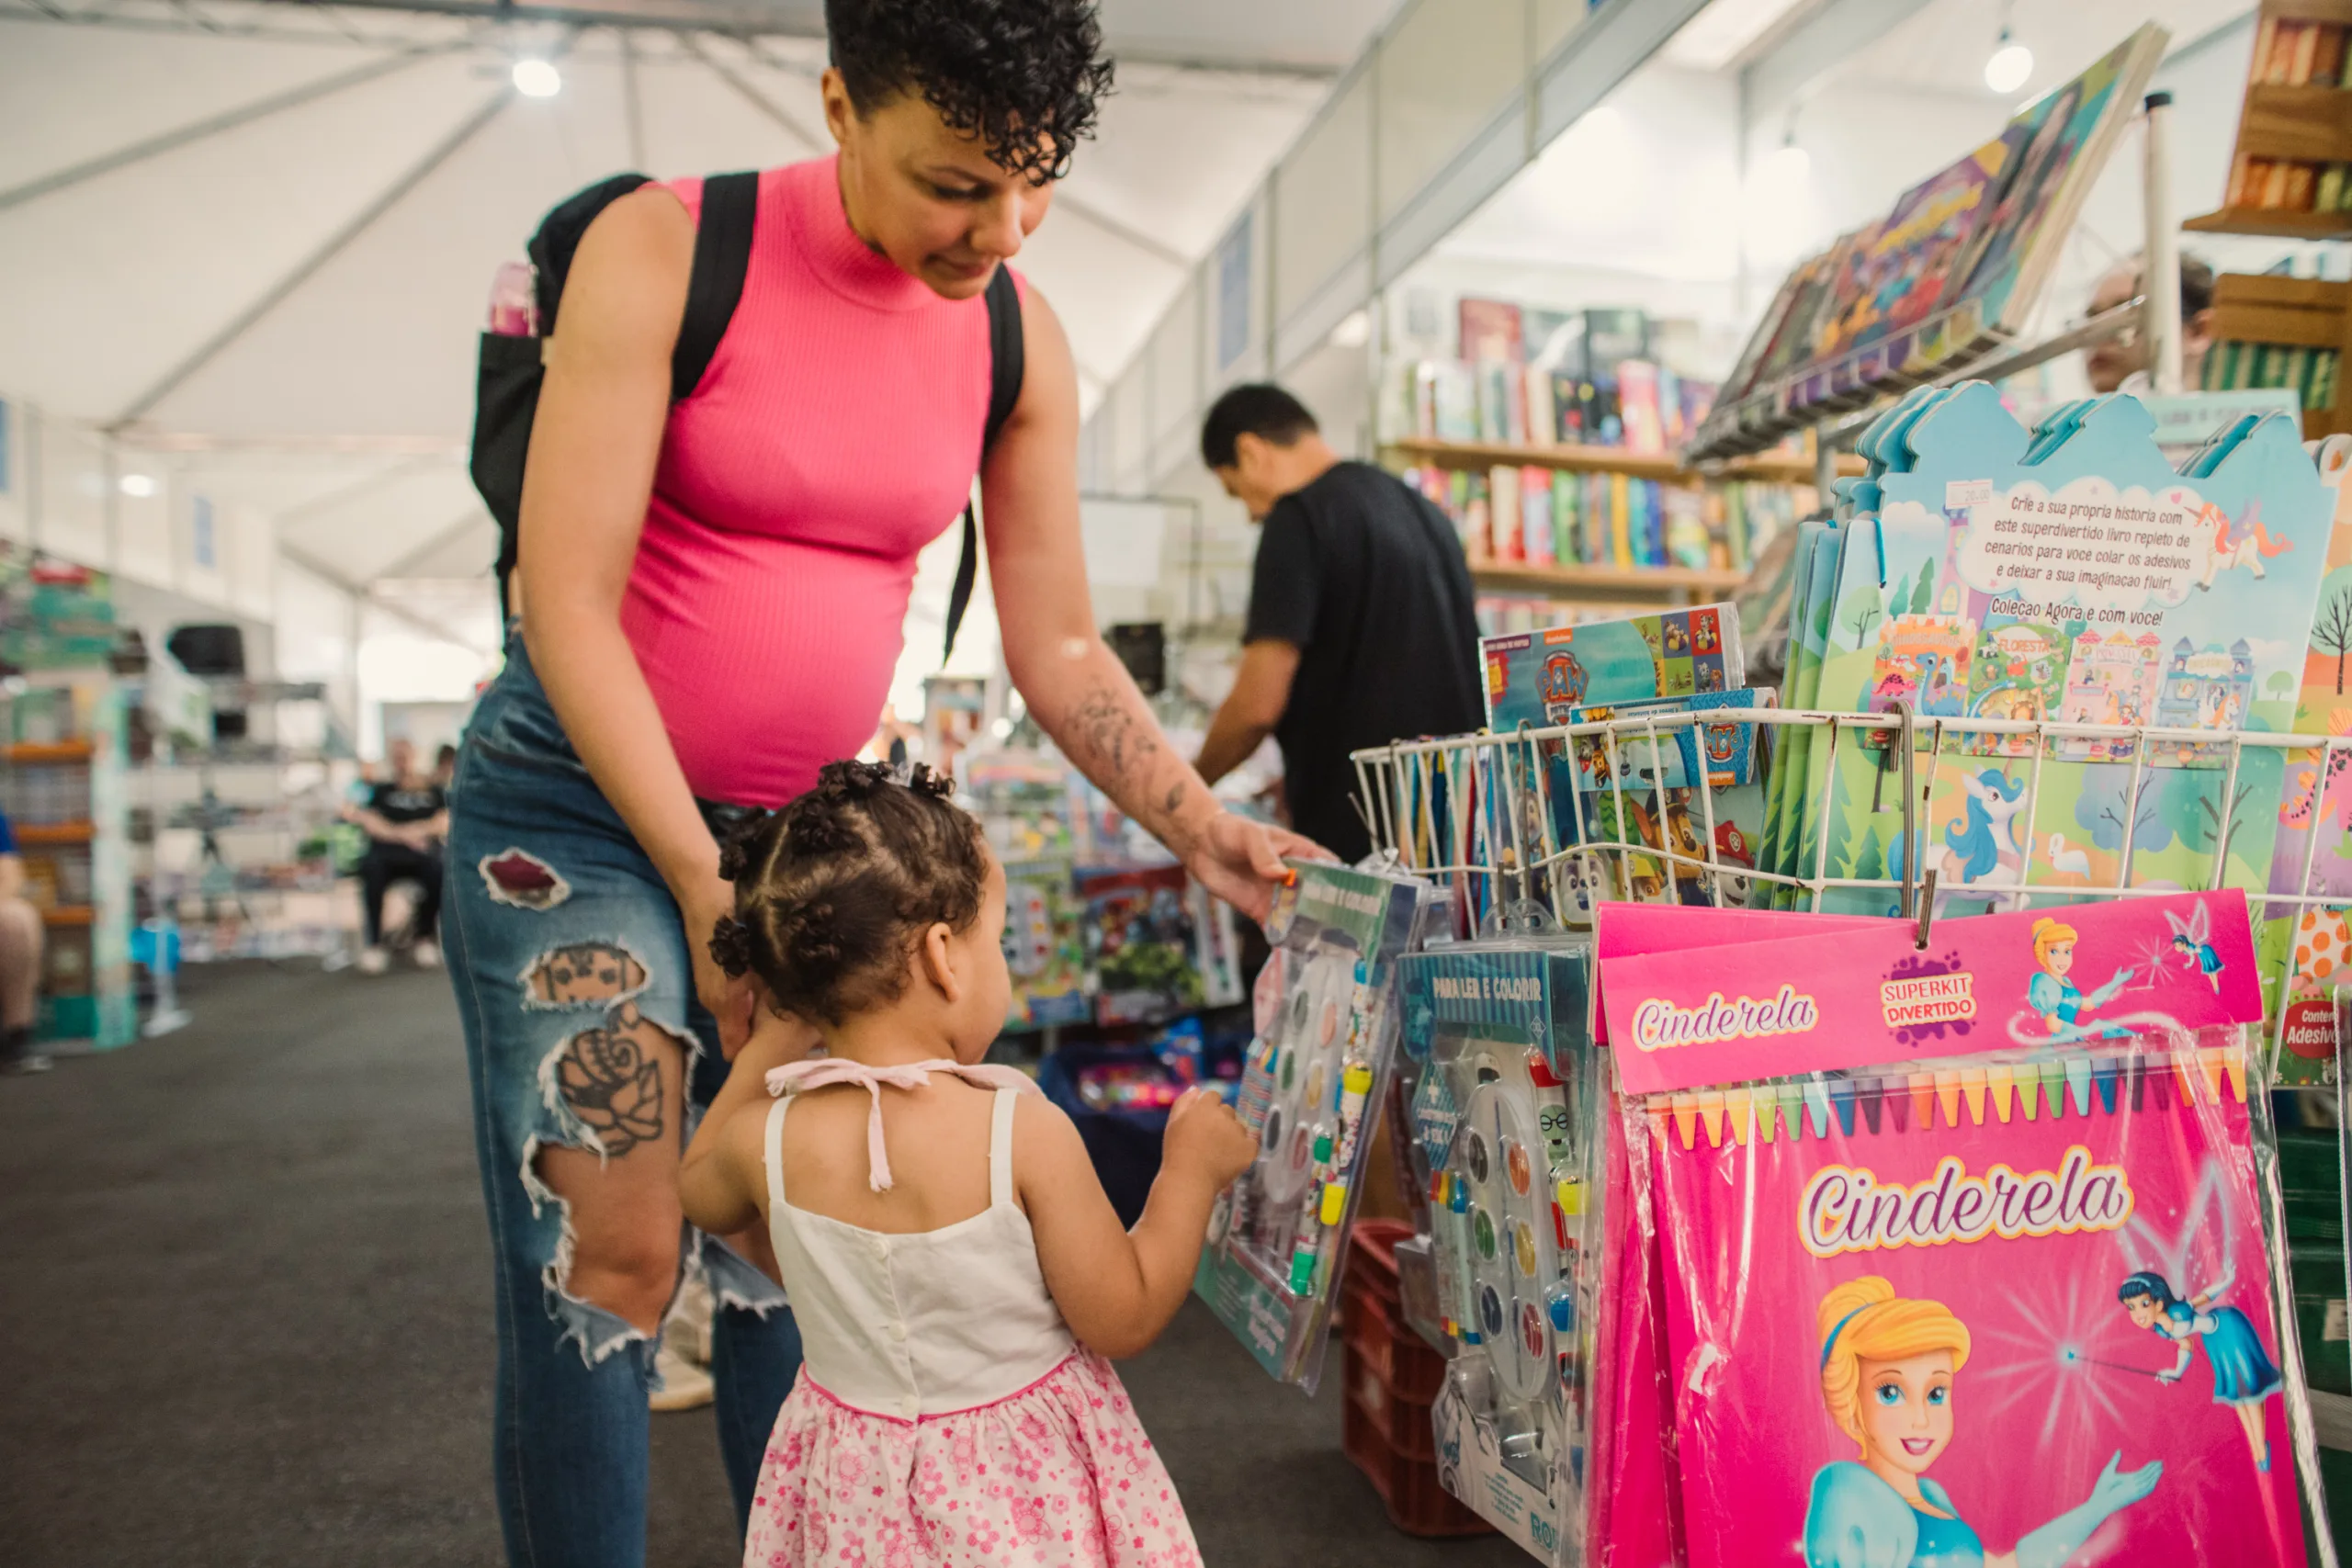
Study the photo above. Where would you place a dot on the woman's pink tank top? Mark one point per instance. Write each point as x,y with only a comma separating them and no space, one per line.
835,434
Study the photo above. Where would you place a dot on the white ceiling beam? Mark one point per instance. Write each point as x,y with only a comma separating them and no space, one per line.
304,270
1796,64
228,119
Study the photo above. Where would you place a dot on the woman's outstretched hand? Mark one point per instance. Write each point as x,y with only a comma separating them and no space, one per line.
1240,861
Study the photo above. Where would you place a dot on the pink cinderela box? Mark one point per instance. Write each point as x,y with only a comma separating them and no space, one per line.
1961,1251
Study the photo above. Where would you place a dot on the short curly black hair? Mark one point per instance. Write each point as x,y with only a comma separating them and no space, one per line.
1022,75
834,892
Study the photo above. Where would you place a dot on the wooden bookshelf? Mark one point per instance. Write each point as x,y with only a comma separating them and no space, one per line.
49,751
1609,584
70,915
48,834
2275,225
1663,467
2295,312
2301,123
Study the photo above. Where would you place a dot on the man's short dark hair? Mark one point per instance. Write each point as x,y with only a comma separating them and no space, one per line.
1022,75
1259,409
2196,286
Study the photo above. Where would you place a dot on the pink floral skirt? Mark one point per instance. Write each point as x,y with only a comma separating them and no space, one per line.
1059,1475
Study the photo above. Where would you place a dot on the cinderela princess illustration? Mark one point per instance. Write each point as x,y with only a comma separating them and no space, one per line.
2243,1374
1889,1365
2058,1001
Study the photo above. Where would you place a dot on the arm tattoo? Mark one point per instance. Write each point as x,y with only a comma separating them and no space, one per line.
1111,737
612,1080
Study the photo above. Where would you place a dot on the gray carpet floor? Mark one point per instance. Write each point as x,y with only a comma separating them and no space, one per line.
245,1283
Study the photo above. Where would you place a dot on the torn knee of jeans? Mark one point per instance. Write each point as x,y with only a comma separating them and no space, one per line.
605,1081
598,1331
583,973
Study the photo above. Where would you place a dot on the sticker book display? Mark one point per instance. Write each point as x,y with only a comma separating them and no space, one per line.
2072,574
1506,1092
1961,1249
1327,1024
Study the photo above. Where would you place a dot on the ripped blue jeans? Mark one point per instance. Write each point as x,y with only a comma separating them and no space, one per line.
570,961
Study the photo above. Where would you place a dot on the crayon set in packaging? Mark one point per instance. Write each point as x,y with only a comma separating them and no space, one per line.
1952,1253
1504,1094
1316,1071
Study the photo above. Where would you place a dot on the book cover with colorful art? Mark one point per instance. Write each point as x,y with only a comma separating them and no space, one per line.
1538,678
2174,601
2072,133
2308,947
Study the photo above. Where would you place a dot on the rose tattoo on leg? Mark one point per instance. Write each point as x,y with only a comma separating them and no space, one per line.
611,1077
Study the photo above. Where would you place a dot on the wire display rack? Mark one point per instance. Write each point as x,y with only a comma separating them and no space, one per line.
1431,804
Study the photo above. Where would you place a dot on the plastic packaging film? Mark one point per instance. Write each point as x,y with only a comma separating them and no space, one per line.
1946,1255
1316,1072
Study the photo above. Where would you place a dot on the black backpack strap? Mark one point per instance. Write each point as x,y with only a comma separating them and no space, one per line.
730,203
1008,363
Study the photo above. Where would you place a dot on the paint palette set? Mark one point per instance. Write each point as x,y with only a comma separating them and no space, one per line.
1504,1092
1943,1251
1320,1061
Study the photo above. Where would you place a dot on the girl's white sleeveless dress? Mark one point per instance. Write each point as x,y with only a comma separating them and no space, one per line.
945,1418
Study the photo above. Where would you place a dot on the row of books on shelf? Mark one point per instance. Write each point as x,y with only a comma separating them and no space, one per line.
1952,273
1637,404
2232,366
1503,614
2297,54
1521,516
2285,184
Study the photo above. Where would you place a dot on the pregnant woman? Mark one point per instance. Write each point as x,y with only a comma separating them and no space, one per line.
713,591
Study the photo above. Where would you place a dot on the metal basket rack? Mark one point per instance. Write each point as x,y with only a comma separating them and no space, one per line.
1402,785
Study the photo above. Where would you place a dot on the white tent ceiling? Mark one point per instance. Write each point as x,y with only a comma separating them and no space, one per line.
261,234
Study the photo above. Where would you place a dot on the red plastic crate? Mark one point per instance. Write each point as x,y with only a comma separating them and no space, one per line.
1378,1336
1408,1488
1372,1259
1404,1423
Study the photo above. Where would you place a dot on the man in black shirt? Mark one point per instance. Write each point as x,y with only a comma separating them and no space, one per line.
1361,629
406,817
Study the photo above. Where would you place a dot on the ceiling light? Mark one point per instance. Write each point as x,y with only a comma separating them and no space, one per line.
1788,166
2009,66
537,78
140,485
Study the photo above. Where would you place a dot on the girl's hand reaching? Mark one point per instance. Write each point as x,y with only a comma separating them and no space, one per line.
1207,1139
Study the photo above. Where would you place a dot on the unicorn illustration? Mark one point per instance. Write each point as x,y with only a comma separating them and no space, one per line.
2232,547
1982,846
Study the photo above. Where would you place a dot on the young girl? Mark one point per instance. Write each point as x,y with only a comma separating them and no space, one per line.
957,1272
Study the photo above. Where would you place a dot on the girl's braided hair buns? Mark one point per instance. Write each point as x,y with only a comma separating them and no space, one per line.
834,892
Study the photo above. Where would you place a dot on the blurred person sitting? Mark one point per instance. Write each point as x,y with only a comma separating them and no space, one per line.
2120,364
1361,627
21,939
405,814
